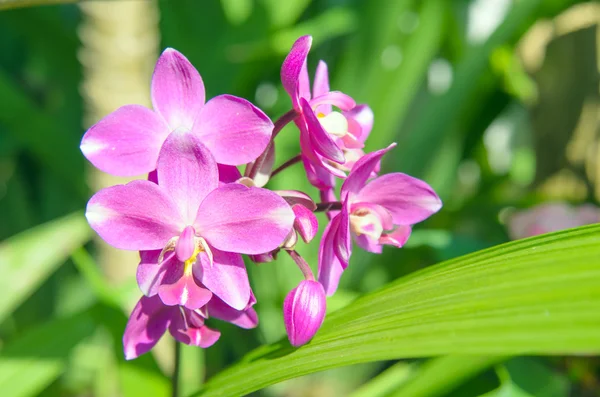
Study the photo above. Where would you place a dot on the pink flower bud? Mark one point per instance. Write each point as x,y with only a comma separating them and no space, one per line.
303,311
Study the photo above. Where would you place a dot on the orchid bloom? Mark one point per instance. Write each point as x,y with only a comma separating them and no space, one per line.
127,142
374,213
331,141
550,217
151,318
200,227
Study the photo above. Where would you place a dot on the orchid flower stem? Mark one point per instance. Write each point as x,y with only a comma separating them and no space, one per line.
328,206
290,162
283,121
278,126
306,271
176,370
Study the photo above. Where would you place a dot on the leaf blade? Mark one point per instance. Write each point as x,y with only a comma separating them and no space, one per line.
535,296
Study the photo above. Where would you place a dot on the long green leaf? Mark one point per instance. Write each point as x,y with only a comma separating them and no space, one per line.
28,258
534,296
33,361
440,375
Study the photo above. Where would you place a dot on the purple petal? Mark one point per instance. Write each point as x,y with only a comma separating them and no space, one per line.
383,215
293,197
320,139
228,173
306,223
321,85
363,115
193,331
136,216
151,274
246,318
126,142
303,311
263,174
330,267
177,89
368,244
292,66
398,237
188,171
235,131
304,82
227,278
335,98
186,244
408,199
236,218
361,172
343,239
184,292
148,322
317,175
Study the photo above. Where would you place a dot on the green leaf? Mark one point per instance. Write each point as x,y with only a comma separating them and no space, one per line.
36,359
388,381
441,375
536,296
442,111
28,258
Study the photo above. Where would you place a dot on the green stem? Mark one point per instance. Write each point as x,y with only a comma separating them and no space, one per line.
176,370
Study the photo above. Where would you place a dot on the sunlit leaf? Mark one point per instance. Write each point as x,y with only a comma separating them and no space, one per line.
535,296
36,359
28,258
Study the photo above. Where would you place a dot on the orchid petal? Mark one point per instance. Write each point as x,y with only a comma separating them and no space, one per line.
177,89
293,197
188,171
321,141
147,323
343,238
192,333
126,142
246,318
398,237
236,218
263,174
226,277
151,274
330,267
228,173
184,292
292,68
335,98
368,244
321,86
361,172
306,223
235,131
363,116
408,199
136,216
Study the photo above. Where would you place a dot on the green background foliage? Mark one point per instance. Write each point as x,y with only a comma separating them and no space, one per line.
483,119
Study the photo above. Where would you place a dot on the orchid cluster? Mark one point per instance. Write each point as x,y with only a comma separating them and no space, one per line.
196,214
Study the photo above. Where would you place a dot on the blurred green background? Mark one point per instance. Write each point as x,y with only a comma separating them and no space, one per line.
495,103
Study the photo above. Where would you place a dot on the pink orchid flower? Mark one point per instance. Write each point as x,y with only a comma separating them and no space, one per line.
127,142
331,141
200,228
374,213
151,318
551,217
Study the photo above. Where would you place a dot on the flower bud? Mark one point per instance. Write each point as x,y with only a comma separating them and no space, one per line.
303,311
